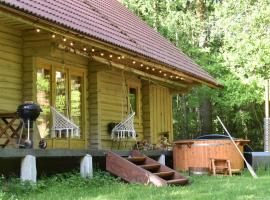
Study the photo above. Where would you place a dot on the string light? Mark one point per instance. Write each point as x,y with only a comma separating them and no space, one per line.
64,39
141,65
71,43
111,55
93,50
134,62
118,57
177,77
171,76
160,71
102,54
165,74
123,57
38,30
85,49
53,35
153,69
147,68
182,78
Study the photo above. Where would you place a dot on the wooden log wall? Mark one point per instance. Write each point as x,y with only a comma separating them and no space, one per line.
11,59
105,100
34,45
94,107
113,104
157,112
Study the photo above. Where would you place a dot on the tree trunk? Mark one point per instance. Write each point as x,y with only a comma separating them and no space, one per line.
205,113
200,9
156,13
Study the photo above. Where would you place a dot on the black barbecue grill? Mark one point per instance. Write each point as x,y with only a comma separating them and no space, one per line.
28,112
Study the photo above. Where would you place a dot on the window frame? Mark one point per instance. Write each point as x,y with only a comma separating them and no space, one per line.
69,70
135,86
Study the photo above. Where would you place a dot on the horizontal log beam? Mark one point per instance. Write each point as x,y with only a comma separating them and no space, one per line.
140,73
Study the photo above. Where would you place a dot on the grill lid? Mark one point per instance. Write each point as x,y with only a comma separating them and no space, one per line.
29,111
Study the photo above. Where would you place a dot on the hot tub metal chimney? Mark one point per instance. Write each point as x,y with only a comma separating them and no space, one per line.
266,119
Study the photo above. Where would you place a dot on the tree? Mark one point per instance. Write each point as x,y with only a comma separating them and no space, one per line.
229,40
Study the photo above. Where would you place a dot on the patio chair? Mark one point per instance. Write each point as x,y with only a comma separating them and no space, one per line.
125,129
63,125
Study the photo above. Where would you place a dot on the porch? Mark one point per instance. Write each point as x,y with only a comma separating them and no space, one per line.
48,162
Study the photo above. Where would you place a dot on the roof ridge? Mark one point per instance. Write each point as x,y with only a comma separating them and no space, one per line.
131,39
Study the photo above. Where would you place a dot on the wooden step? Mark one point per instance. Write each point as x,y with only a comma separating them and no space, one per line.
222,167
136,159
179,181
165,174
142,170
153,166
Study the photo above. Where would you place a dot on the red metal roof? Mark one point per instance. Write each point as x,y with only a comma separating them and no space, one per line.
111,22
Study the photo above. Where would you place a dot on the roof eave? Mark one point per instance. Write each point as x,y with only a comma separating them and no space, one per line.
50,26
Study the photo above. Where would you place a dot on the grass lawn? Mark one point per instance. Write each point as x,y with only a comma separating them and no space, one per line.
105,187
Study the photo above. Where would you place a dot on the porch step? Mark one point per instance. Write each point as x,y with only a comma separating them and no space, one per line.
150,166
142,169
179,181
165,174
136,159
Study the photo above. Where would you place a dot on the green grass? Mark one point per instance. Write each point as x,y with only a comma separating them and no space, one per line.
105,187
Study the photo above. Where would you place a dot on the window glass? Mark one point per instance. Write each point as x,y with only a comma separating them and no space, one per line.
43,99
61,92
76,99
133,99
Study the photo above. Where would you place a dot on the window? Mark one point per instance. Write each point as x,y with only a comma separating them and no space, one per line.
43,99
62,88
133,99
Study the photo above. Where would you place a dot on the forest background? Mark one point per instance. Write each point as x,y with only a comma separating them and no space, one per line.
229,39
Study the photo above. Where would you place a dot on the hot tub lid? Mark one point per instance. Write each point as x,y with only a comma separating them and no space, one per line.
213,137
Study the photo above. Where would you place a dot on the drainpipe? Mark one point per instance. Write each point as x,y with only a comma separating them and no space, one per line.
266,119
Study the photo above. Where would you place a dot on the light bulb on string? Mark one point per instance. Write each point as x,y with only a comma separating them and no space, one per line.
37,30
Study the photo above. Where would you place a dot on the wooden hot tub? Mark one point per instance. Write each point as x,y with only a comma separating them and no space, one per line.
197,153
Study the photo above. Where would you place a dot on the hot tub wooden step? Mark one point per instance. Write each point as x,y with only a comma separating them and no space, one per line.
150,166
180,181
136,159
165,174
